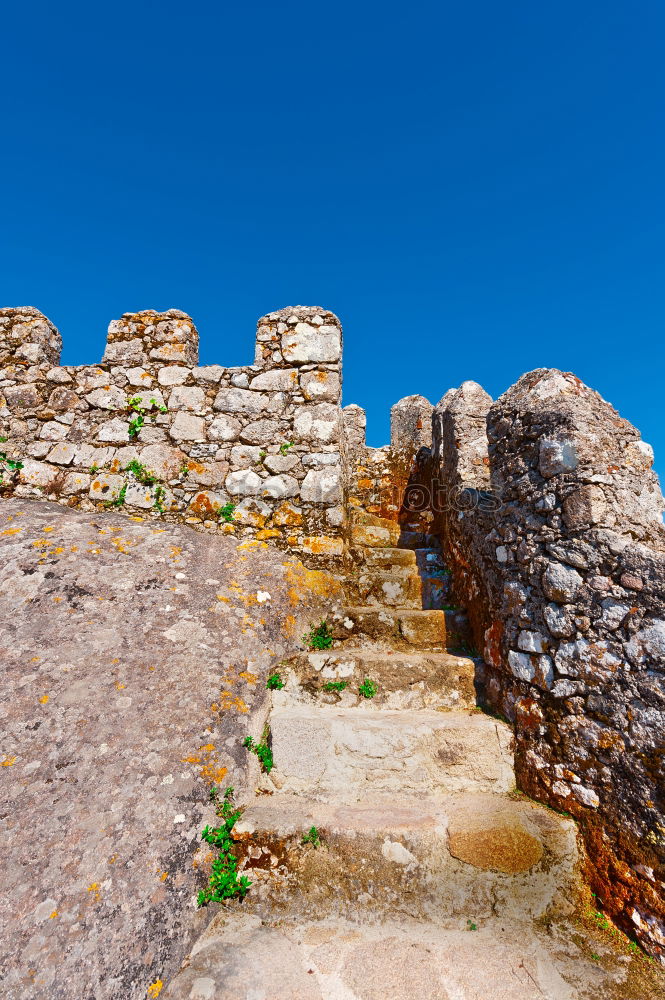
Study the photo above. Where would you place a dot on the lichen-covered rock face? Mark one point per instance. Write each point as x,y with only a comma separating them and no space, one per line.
560,561
134,660
149,402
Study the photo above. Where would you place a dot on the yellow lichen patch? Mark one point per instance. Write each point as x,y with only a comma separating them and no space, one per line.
155,989
268,533
43,699
176,550
163,876
40,543
52,916
9,761
50,528
323,545
209,767
121,544
252,544
230,702
95,890
57,551
289,625
227,529
221,597
136,517
119,686
303,581
287,515
249,677
11,531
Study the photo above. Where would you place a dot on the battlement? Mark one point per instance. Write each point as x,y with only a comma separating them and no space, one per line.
149,430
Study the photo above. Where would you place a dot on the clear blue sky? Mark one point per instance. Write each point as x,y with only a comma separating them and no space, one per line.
475,188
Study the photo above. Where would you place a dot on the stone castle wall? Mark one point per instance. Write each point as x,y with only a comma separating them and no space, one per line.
547,509
553,531
264,438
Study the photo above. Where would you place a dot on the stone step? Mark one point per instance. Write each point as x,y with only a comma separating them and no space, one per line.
350,752
427,629
400,587
389,558
369,530
405,680
470,856
241,956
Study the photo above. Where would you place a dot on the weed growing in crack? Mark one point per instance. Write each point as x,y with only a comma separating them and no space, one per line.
120,499
226,512
470,926
140,473
275,682
224,882
261,749
160,496
136,404
368,688
335,685
312,837
319,636
284,447
8,465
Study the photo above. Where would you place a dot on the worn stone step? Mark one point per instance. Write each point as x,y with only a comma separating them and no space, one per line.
389,558
242,956
350,752
369,530
470,856
427,629
394,588
405,680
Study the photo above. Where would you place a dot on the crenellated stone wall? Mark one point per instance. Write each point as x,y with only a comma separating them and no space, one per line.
264,438
553,531
545,503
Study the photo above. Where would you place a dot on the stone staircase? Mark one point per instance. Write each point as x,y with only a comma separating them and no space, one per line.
433,879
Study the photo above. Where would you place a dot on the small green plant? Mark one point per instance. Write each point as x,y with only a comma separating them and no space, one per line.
3,439
284,447
8,465
135,403
334,685
94,469
261,749
184,470
224,882
226,512
262,454
470,926
312,837
319,636
120,499
595,957
368,688
160,496
140,473
275,682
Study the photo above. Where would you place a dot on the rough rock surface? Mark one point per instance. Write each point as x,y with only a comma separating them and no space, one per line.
553,530
134,657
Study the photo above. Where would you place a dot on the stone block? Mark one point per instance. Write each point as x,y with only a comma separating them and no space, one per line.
307,343
321,486
187,427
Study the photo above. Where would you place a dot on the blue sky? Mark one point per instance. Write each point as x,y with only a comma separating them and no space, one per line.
475,188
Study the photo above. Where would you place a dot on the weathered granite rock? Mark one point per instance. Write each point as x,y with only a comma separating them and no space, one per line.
134,661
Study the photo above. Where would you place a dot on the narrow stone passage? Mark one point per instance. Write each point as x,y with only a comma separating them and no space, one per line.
432,878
